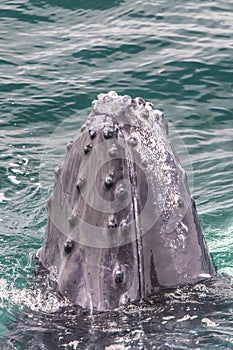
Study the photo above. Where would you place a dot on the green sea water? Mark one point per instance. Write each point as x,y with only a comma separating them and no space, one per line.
55,57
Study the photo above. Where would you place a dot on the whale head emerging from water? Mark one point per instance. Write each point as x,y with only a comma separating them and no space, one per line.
121,221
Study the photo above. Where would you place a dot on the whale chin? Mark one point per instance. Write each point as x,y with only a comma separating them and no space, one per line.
121,221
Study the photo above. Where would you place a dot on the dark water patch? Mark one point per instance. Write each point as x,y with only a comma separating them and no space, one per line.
10,87
79,4
103,52
20,16
5,62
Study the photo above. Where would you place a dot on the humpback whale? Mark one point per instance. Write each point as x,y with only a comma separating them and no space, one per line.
122,224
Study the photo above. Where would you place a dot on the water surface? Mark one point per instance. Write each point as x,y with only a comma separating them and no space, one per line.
55,57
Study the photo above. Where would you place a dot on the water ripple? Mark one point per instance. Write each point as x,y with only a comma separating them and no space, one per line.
55,57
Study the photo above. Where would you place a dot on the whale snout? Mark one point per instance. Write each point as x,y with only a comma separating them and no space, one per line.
121,221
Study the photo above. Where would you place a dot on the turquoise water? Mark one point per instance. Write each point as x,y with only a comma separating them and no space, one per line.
55,57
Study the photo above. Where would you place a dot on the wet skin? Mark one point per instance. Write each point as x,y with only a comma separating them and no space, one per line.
121,221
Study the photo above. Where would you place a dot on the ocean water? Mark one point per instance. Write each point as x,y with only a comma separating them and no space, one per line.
55,57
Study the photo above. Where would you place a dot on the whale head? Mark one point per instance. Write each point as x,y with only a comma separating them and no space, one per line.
122,224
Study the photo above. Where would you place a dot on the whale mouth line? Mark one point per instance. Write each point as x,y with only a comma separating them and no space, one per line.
122,224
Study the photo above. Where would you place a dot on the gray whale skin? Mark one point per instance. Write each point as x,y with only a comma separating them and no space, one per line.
122,224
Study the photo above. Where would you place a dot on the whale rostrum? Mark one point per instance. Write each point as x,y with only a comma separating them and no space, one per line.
122,224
